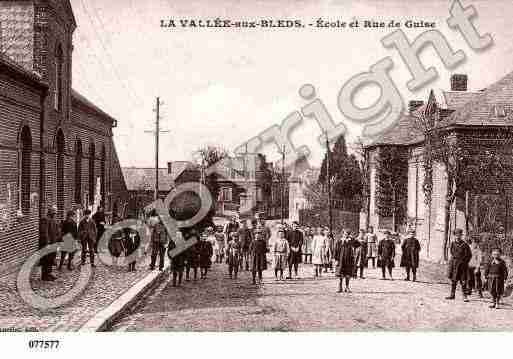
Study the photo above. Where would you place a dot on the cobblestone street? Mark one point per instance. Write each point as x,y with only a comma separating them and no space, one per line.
107,284
221,304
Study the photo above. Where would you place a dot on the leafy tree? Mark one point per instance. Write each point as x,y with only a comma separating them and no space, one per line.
345,177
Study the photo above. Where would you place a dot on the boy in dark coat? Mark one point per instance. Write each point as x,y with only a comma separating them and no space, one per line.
87,233
245,239
461,255
177,263
345,256
386,254
205,256
295,239
496,275
234,255
410,255
258,254
192,256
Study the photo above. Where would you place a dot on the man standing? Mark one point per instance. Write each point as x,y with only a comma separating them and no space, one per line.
245,239
158,243
458,264
48,234
295,240
87,233
99,220
386,254
410,254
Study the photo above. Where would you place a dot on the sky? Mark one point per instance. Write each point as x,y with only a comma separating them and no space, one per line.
224,86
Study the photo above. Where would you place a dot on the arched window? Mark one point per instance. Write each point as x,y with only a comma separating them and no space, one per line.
78,172
92,152
60,172
102,175
25,164
58,78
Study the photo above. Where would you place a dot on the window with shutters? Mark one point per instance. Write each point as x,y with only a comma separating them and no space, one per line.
25,163
78,172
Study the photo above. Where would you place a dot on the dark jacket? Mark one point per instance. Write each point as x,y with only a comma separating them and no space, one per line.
159,235
386,252
205,254
49,232
496,273
99,218
87,230
345,255
295,240
178,261
460,257
258,255
69,226
245,238
410,253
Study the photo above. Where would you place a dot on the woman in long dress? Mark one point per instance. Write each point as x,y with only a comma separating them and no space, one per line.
280,252
319,243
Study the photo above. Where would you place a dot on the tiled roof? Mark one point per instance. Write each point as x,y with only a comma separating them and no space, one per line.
144,179
490,107
404,133
456,99
85,102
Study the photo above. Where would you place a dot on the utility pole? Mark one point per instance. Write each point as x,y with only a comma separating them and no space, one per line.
328,178
157,133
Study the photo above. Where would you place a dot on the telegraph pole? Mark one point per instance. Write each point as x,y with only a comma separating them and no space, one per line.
329,181
157,133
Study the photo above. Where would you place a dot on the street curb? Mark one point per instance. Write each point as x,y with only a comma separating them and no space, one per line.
104,319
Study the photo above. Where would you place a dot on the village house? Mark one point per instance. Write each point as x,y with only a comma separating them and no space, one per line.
56,147
407,190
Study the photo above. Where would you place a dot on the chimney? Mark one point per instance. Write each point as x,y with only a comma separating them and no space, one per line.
414,104
169,167
459,82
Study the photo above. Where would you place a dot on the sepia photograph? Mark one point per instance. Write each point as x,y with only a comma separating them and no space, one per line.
331,167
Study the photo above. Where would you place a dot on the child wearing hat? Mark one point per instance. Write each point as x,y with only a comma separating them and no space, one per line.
496,275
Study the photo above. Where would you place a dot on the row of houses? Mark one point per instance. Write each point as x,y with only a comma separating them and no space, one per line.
247,184
471,122
56,147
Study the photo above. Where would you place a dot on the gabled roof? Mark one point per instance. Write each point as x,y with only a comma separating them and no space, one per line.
490,107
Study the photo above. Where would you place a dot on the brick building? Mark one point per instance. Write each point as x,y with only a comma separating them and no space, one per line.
478,122
56,147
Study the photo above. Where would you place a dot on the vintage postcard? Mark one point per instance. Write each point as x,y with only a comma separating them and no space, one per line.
255,166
